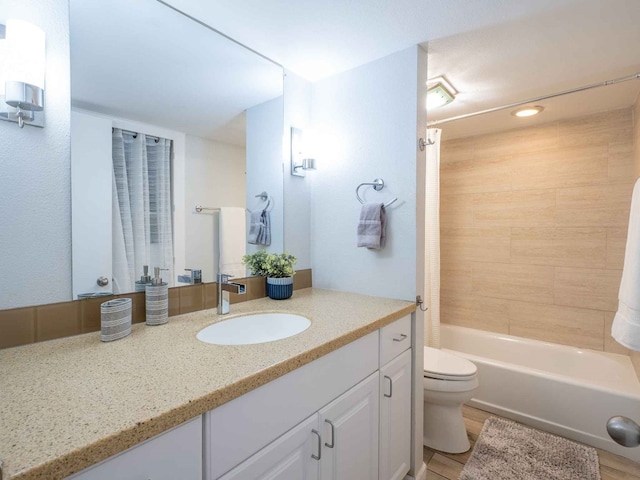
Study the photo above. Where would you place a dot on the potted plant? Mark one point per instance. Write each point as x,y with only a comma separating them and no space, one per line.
277,267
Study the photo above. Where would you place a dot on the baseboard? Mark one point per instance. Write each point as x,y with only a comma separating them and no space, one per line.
421,475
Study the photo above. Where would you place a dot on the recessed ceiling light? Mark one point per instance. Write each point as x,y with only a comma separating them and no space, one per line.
527,111
439,92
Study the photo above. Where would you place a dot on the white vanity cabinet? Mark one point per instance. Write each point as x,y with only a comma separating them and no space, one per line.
395,399
168,456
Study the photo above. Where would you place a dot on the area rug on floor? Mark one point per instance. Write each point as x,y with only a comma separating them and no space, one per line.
506,450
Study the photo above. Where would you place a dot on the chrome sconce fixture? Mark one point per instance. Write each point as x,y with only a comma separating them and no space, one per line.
22,67
301,158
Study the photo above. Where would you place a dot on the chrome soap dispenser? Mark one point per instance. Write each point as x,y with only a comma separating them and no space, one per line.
157,300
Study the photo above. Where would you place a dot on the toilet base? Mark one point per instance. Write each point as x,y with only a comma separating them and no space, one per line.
444,428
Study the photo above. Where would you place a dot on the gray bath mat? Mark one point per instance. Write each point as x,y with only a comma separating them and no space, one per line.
506,450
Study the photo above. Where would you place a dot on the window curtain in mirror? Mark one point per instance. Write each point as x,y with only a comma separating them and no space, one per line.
432,240
142,220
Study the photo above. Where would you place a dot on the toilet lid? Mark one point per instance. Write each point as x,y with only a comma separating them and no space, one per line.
446,366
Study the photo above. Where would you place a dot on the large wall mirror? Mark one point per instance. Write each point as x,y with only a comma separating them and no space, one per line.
167,86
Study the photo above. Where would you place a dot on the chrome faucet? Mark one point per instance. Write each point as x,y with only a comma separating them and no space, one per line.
224,287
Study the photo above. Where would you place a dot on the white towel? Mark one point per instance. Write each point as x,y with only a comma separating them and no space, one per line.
232,241
626,324
372,226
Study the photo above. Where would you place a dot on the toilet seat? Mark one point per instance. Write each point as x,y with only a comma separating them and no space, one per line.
441,365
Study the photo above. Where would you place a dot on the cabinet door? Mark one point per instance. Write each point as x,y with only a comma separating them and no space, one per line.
350,433
173,454
293,456
395,417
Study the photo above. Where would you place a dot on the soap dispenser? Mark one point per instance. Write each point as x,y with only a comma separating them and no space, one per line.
157,299
141,285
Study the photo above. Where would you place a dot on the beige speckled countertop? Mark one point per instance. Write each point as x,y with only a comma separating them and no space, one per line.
67,404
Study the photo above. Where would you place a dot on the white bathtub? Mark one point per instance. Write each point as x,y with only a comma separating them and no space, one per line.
562,390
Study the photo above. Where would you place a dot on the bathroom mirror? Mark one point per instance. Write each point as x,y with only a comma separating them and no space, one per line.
146,68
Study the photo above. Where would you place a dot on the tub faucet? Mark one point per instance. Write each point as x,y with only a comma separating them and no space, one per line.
224,287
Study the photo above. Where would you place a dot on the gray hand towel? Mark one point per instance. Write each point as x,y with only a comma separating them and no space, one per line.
255,228
264,237
372,226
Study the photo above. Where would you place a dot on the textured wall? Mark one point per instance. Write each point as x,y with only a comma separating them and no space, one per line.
35,185
533,229
366,123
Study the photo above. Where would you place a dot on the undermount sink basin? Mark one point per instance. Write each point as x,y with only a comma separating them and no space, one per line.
251,329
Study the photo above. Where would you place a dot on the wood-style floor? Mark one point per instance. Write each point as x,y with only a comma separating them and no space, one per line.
447,466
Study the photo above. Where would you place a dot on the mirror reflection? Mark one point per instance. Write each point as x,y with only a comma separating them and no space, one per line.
167,115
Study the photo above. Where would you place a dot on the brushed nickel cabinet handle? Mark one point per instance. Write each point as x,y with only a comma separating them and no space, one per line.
315,457
333,438
390,387
402,337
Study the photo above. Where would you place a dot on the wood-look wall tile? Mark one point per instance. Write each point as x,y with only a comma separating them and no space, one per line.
635,360
256,287
457,150
302,279
174,301
610,345
598,128
138,307
90,313
594,206
551,323
515,209
592,288
565,167
616,245
210,295
527,283
621,162
572,247
456,210
487,244
191,298
17,327
57,320
477,176
455,277
471,311
514,142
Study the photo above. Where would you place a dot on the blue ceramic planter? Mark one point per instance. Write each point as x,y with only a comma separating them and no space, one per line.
279,288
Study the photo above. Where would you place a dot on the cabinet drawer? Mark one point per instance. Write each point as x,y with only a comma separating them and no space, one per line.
395,339
170,455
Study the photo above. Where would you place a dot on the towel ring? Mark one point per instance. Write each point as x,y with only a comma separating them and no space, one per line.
264,196
377,184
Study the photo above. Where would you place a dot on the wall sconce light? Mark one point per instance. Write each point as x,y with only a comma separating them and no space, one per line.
301,158
22,67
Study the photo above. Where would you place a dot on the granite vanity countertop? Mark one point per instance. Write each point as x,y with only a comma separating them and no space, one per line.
70,403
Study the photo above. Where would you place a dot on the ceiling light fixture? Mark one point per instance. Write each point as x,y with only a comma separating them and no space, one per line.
439,92
528,111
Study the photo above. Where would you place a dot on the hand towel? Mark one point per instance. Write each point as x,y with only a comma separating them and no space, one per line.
626,324
264,236
372,226
232,241
255,227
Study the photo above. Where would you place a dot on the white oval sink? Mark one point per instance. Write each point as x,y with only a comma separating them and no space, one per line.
251,329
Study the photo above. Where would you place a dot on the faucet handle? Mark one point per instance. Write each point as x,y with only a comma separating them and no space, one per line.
223,278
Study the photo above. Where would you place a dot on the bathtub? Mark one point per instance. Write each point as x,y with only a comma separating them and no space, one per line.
559,389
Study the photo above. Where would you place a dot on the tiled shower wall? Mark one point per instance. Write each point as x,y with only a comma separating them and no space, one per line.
533,229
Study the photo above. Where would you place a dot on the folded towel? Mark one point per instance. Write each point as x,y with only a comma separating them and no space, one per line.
264,236
372,226
232,241
626,324
255,227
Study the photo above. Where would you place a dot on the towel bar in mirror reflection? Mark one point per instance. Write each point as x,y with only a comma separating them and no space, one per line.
377,184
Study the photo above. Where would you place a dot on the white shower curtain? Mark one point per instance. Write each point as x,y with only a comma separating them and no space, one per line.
432,239
142,220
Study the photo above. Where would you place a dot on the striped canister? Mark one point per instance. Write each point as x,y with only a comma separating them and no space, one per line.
157,304
115,319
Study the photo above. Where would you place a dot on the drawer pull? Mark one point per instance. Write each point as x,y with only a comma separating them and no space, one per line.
332,436
317,457
390,387
402,337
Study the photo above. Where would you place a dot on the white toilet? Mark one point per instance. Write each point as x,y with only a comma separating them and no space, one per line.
448,381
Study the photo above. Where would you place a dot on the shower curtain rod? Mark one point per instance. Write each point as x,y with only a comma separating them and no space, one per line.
635,76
